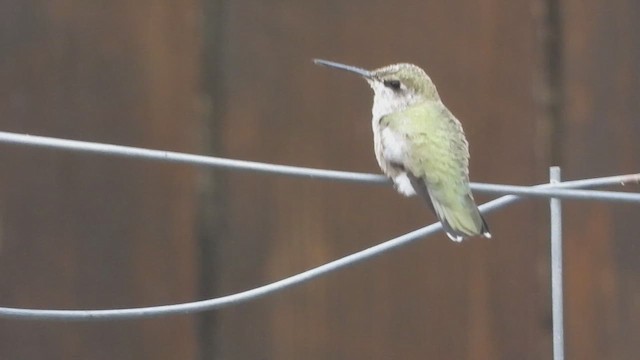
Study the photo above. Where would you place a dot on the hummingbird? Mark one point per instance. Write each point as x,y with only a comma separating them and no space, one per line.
420,145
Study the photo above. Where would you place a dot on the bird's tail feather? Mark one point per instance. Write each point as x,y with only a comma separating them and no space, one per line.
461,219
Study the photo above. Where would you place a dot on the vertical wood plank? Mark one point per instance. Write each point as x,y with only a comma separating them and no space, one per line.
601,67
83,231
479,300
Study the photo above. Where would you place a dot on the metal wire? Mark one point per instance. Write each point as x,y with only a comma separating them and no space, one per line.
182,158
545,190
244,296
345,176
557,306
559,193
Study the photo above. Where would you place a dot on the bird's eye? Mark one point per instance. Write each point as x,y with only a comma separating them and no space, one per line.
393,84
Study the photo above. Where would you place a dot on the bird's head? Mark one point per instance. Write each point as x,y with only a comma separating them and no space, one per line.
395,86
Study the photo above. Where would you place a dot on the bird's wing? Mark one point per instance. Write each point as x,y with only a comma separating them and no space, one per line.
438,151
437,164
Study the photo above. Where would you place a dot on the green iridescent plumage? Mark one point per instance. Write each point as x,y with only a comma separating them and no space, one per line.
421,146
440,172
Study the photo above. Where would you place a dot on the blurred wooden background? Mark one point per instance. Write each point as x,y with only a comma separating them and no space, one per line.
535,83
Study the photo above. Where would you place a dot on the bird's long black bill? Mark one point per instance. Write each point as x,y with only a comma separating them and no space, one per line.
362,72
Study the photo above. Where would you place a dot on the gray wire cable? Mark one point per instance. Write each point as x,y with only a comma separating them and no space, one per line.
557,308
244,296
232,164
545,190
182,158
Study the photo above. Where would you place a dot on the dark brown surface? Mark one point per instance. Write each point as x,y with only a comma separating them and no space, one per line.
82,231
535,83
601,132
433,298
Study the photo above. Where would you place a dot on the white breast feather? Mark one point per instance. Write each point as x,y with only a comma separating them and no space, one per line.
394,146
403,185
390,147
394,150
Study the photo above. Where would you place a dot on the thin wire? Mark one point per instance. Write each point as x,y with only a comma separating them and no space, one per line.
556,270
176,157
244,296
182,158
132,152
558,193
